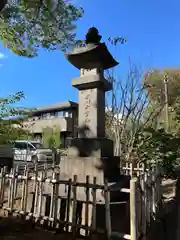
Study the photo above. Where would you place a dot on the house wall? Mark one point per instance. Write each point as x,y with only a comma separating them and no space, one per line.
65,124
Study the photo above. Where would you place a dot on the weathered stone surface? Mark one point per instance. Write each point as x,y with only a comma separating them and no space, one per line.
92,86
92,81
90,147
87,56
91,121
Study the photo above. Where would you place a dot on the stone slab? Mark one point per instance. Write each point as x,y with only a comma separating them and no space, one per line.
92,81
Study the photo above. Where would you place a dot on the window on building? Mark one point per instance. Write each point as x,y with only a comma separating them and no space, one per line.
45,115
59,114
67,114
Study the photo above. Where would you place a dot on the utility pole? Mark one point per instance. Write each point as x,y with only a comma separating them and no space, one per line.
166,102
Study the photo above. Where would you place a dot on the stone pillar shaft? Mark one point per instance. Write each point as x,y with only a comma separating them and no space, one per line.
92,87
91,113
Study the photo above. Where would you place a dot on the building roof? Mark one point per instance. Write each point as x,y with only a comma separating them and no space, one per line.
56,107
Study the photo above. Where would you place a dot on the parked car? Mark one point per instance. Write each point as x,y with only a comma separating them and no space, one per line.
31,151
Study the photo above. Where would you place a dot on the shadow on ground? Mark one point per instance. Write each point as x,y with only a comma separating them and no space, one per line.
14,228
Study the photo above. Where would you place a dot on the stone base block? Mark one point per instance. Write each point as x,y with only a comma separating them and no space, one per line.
94,147
82,167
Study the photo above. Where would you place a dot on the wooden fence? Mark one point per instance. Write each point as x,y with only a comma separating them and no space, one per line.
72,206
146,198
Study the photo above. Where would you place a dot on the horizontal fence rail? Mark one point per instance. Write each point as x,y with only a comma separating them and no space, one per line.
40,194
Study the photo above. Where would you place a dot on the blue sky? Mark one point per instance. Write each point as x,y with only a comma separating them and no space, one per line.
152,30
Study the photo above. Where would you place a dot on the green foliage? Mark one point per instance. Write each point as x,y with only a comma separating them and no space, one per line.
158,147
26,25
11,129
154,83
51,137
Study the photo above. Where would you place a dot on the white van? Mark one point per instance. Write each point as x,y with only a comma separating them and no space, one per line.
31,151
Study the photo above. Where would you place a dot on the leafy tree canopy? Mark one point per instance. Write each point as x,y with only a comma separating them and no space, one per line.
158,147
28,25
11,129
154,83
51,137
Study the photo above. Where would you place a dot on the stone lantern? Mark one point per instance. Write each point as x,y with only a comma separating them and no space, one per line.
91,145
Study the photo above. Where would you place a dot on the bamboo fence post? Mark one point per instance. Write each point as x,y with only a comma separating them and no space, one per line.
36,188
2,178
12,190
157,187
68,204
153,185
144,202
74,205
51,214
56,193
146,195
151,194
107,209
133,210
9,188
26,191
4,182
16,181
94,207
39,207
148,186
87,206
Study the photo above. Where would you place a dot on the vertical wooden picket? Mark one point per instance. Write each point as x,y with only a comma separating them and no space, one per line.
68,205
26,181
87,206
74,206
133,217
94,206
56,193
12,190
107,209
2,181
39,206
153,186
